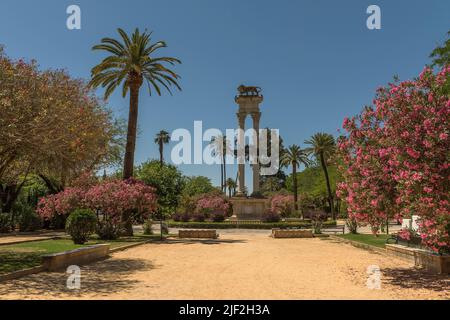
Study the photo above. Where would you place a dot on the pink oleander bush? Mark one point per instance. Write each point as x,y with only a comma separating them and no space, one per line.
214,206
282,205
396,158
110,200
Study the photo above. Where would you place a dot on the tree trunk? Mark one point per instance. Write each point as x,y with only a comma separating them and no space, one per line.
327,178
221,177
50,186
128,165
8,196
161,154
294,177
224,173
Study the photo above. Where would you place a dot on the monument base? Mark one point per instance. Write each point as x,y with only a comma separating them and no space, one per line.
249,208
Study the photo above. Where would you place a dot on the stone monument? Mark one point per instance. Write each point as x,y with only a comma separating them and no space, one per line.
249,99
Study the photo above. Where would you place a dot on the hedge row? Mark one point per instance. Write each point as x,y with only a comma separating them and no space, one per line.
226,225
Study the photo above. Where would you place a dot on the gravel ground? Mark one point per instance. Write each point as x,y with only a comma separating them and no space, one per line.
240,265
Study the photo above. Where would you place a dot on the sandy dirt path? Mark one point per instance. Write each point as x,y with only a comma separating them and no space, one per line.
241,265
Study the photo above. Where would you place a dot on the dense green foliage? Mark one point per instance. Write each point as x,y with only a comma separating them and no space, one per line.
441,55
311,181
197,185
167,180
80,225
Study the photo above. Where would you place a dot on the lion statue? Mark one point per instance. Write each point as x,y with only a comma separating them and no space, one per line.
249,91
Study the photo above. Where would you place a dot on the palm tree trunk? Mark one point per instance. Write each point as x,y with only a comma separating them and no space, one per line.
161,154
294,177
128,165
221,177
327,178
224,174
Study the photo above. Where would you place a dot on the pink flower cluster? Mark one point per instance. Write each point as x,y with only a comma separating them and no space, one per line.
111,198
282,205
396,157
212,204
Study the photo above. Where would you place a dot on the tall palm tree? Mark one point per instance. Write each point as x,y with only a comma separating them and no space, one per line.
161,139
323,147
231,185
132,62
294,156
221,149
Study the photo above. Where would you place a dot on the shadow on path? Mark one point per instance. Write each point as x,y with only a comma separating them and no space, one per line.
101,278
416,279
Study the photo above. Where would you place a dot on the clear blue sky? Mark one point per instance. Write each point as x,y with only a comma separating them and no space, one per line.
315,60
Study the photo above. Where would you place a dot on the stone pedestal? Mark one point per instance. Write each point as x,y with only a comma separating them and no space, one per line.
249,209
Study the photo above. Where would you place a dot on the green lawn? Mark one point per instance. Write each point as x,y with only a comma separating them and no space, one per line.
29,254
369,239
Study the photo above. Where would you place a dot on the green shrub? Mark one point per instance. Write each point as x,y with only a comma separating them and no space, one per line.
218,217
107,230
352,225
58,222
5,222
148,227
27,219
80,225
271,217
165,228
317,219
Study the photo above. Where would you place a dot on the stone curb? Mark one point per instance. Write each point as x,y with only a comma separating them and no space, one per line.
25,241
41,268
129,246
21,273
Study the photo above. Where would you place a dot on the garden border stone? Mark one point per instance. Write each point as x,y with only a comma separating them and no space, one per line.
32,240
421,258
293,233
21,273
198,234
61,260
25,272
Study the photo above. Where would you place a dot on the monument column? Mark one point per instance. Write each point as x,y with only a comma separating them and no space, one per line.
241,156
256,116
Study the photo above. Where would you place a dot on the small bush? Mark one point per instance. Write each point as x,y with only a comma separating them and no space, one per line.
317,220
352,225
28,220
271,217
218,217
199,217
148,227
165,228
58,222
80,225
176,217
5,223
184,217
107,230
